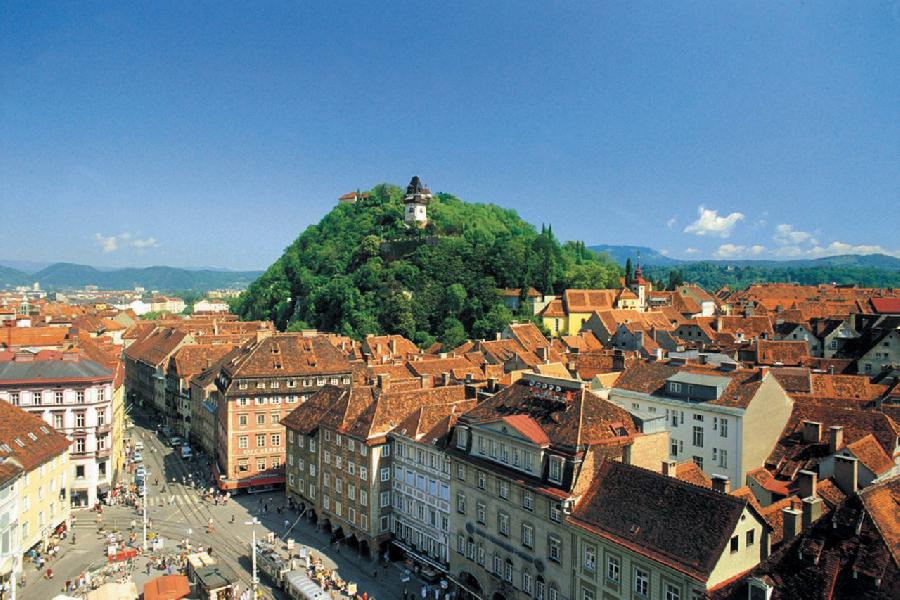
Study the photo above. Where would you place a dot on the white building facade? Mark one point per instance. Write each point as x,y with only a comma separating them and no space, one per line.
74,396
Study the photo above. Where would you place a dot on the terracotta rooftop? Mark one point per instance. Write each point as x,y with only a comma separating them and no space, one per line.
781,352
25,438
588,301
650,377
691,473
569,419
626,503
286,354
871,454
156,347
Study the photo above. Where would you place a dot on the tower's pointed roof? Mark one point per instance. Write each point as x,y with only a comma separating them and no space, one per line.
417,191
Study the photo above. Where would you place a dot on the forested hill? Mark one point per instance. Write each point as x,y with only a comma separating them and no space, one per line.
361,270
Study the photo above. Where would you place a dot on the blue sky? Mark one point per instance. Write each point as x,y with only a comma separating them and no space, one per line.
201,133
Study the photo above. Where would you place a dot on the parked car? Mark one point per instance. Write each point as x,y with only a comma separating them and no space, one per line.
139,446
175,441
137,457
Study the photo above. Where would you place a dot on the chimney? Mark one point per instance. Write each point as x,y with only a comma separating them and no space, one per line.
445,378
807,482
543,354
393,345
763,371
792,519
812,510
492,384
384,381
469,378
812,432
846,473
499,336
442,355
721,484
618,361
831,369
426,381
668,468
836,442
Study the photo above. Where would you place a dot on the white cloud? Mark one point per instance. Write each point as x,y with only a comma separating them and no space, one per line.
756,249
729,251
786,235
710,223
664,252
833,249
113,243
691,251
671,223
107,244
142,244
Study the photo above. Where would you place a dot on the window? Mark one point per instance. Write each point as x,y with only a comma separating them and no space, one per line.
58,397
527,535
79,445
338,461
79,419
462,438
337,440
327,457
351,468
751,534
276,439
461,503
613,566
363,473
526,582
363,498
503,489
460,543
503,523
58,420
385,499
260,440
672,592
556,464
641,582
79,474
35,397
555,513
735,543
260,464
508,571
723,458
590,558
587,594
260,419
698,436
480,513
539,588
479,557
385,450
461,472
385,474
276,418
482,480
698,418
553,593
698,460
242,441
554,548
527,500
674,448
496,564
675,387
723,429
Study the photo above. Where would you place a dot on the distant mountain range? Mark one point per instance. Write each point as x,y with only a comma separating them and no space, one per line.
61,276
649,256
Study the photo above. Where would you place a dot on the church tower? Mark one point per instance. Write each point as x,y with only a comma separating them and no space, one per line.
640,286
417,198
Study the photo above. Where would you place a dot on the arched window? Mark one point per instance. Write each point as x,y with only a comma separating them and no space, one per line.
539,588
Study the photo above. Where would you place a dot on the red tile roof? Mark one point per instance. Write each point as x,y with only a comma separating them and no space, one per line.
886,305
627,504
25,438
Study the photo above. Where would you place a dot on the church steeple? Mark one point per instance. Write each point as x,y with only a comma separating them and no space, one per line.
638,274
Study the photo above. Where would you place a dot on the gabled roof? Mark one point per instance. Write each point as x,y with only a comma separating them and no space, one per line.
587,301
886,305
570,419
676,523
432,423
25,438
784,352
155,348
286,354
871,454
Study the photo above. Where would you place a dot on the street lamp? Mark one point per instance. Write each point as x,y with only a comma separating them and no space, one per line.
253,522
146,481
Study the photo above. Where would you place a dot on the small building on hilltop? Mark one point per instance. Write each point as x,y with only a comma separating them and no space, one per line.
416,199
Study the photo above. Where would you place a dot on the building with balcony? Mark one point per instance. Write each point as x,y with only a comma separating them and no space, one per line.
74,396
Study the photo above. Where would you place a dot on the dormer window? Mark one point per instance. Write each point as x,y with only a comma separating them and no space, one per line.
556,469
462,438
675,387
